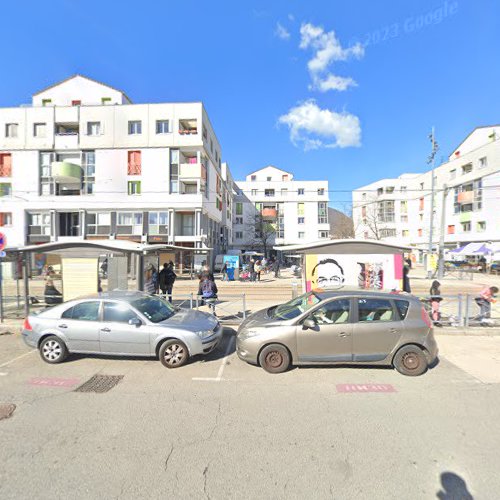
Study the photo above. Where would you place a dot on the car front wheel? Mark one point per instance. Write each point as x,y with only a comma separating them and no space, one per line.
274,358
53,350
410,360
173,353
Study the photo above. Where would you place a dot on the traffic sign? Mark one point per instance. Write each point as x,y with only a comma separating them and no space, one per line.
3,241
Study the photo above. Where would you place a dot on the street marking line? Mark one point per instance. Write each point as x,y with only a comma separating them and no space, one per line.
365,388
2,374
206,379
221,368
18,357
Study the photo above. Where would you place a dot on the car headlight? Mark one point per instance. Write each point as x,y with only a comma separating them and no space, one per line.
203,334
250,333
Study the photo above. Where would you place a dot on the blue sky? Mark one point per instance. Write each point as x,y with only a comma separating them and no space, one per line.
327,89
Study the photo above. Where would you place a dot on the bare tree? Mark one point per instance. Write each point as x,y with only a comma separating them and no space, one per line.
371,221
264,232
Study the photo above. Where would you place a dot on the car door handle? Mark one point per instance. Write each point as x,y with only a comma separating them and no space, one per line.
106,330
63,326
344,334
394,330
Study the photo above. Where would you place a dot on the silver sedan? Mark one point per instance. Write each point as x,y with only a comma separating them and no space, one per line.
121,324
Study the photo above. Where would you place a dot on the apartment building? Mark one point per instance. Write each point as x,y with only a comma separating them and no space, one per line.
467,185
84,162
296,210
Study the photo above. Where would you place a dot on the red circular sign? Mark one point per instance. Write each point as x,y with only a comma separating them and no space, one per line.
3,241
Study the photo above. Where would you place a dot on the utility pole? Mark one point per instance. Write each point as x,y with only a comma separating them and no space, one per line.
441,234
431,160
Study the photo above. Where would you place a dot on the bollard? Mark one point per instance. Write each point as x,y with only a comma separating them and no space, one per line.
191,300
460,311
244,307
466,316
294,290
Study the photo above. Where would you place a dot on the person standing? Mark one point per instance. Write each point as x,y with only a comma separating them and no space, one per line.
406,279
251,269
276,268
258,269
207,290
435,293
487,296
225,277
167,279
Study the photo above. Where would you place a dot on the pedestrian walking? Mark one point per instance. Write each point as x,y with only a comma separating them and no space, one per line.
276,268
207,290
251,269
406,279
167,279
225,277
486,297
258,269
435,293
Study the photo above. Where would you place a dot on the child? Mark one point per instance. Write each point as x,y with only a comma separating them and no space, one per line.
484,301
435,293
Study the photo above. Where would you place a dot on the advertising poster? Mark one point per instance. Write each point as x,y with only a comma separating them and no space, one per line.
365,271
233,266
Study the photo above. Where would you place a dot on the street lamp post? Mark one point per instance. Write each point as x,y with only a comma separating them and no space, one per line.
431,160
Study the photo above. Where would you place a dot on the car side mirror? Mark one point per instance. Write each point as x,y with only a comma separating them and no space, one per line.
309,323
135,321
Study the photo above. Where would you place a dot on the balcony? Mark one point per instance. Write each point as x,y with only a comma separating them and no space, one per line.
188,126
192,171
465,197
66,136
66,172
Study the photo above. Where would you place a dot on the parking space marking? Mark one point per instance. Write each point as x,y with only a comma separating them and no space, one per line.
18,357
365,388
53,382
222,366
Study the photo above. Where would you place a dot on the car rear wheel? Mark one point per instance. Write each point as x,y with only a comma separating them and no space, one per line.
173,353
274,358
410,360
53,350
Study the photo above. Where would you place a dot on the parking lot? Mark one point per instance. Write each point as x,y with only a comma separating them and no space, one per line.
220,428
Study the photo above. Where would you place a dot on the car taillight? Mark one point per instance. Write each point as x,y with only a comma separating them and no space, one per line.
26,325
425,317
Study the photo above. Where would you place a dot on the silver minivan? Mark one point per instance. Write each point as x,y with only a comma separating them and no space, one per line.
340,327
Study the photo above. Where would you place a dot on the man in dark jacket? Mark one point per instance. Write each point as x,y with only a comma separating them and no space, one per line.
167,279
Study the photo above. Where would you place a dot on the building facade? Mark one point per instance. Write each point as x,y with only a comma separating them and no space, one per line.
84,162
295,211
467,186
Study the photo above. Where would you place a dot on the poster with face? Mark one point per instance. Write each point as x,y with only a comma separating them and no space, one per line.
365,271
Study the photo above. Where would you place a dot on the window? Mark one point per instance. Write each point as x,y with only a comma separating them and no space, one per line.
466,227
76,102
402,306
451,229
5,189
5,164
46,102
134,163
421,217
5,219
405,233
238,220
39,129
385,211
204,132
85,311
300,220
422,186
174,171
453,174
162,126
118,313
387,233
300,191
335,312
269,179
420,232
39,224
322,234
403,189
11,130
375,310
302,235
134,127
239,208
238,235
187,225
421,204
129,223
403,207
158,222
134,187
88,166
284,192
269,192
300,208
483,162
93,128
380,191
253,178
99,223
254,192
105,100
389,189
322,213
404,218
466,169
481,226
363,196
321,191
284,177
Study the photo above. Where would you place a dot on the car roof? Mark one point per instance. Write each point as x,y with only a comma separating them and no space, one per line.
125,295
355,292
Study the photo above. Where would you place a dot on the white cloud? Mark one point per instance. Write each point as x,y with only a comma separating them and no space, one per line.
281,32
327,49
315,128
291,17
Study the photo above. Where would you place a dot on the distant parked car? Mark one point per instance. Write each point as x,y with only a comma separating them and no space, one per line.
323,328
122,324
495,267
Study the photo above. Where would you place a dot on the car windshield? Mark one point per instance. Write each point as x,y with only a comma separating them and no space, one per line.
296,306
153,308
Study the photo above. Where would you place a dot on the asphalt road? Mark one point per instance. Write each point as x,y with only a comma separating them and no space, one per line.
219,429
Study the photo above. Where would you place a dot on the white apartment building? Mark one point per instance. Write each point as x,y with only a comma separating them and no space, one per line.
84,162
298,210
399,210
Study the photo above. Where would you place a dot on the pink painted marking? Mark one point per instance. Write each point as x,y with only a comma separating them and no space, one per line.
53,382
365,388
